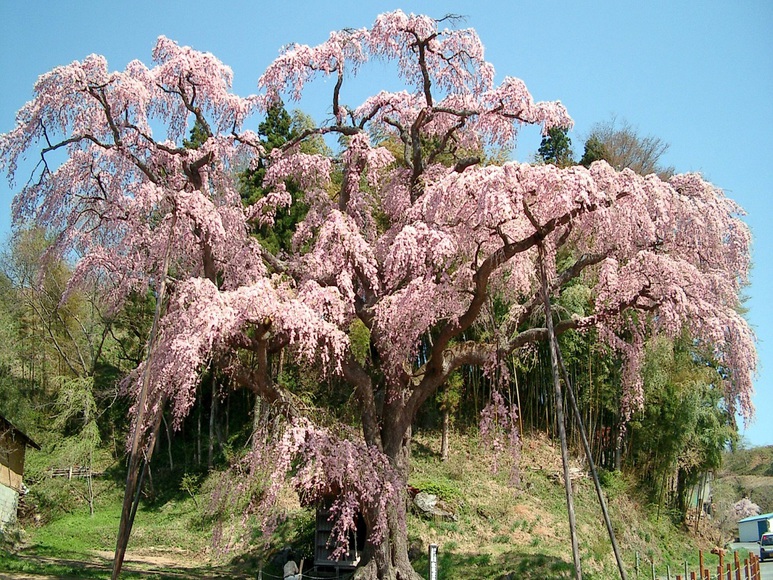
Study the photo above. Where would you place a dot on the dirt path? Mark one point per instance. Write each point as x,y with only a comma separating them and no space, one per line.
174,558
156,562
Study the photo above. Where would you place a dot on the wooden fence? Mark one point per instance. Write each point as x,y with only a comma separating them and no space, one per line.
73,472
734,569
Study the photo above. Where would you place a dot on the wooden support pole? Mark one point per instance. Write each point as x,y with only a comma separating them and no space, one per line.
700,563
594,473
559,408
135,455
737,559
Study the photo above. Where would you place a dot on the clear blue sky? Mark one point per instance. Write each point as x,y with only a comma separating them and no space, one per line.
698,74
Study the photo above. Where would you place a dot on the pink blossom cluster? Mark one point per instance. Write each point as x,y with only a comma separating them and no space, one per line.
205,321
344,474
745,508
499,430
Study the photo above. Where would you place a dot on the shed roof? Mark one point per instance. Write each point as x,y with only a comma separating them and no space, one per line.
756,518
6,424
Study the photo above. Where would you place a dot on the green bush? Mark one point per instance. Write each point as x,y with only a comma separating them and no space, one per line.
442,487
613,482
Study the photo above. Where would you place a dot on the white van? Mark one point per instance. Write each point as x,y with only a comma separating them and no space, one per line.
766,546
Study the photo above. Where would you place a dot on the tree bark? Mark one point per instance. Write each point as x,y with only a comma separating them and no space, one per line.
389,560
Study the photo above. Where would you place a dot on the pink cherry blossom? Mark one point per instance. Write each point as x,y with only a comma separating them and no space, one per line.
408,232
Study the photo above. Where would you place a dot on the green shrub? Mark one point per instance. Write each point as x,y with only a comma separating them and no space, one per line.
442,487
613,482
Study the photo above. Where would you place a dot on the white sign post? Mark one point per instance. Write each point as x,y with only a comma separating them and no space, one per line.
433,562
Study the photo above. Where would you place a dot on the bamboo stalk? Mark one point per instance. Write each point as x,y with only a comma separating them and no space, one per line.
594,473
560,414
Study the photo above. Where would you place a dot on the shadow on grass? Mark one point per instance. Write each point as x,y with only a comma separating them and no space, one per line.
421,451
508,565
70,565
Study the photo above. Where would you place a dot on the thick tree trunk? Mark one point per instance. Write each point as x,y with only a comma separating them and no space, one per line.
387,428
389,560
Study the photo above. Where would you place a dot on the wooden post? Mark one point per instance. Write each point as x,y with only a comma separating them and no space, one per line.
746,570
700,563
652,567
134,474
637,566
678,577
729,571
721,561
737,559
559,410
692,576
668,572
591,465
260,571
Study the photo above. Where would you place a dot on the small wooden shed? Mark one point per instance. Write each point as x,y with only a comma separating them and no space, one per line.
323,547
13,446
750,529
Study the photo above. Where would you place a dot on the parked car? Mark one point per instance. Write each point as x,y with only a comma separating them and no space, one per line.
766,545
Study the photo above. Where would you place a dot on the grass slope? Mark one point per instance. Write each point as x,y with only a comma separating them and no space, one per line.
501,530
523,531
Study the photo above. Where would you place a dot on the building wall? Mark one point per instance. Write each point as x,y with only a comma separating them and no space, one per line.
9,503
751,531
11,461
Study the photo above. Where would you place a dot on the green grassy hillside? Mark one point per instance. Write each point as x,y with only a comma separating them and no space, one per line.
500,529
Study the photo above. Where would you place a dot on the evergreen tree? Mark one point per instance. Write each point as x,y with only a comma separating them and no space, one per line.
594,151
556,148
